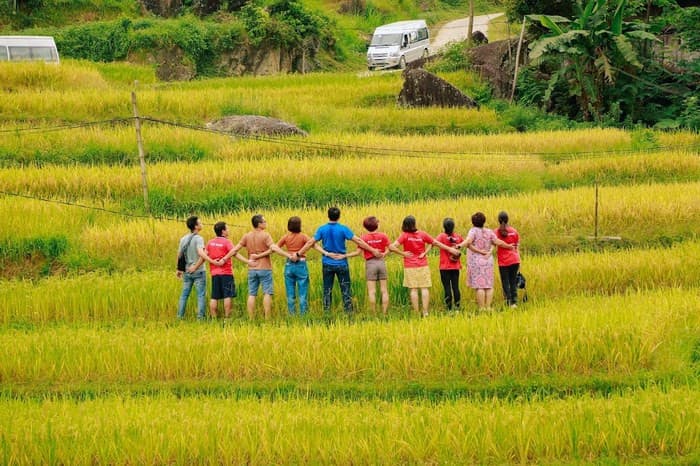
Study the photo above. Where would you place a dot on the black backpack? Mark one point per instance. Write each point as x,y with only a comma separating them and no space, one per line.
522,283
181,259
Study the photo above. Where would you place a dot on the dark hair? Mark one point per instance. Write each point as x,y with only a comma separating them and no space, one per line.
333,214
503,224
448,225
256,220
192,222
294,224
219,228
371,223
478,219
409,224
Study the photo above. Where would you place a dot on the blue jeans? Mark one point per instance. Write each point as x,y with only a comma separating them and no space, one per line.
296,280
343,273
199,280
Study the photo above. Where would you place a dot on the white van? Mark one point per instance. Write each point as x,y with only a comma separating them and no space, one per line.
398,43
28,48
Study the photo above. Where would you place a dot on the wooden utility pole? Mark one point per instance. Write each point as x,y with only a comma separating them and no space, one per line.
142,157
517,60
470,28
595,231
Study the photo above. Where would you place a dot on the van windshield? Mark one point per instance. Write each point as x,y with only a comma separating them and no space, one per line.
386,39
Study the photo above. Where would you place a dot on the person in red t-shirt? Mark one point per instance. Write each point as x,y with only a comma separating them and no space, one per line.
508,260
375,267
223,286
450,265
416,273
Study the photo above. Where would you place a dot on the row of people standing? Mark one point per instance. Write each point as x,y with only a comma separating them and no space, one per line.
330,240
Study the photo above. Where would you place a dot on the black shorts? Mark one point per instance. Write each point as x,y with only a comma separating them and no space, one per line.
223,286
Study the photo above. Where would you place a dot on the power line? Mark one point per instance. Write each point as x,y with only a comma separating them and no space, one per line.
403,152
102,209
383,151
363,150
50,129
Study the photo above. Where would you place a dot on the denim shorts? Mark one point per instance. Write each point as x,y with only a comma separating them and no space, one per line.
257,278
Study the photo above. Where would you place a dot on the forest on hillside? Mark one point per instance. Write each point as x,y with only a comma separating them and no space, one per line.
613,63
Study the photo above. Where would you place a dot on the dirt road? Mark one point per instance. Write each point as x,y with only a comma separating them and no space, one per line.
457,30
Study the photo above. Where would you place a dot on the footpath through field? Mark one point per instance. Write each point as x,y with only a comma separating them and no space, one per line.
456,30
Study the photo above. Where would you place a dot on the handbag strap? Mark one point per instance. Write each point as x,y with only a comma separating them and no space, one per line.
187,244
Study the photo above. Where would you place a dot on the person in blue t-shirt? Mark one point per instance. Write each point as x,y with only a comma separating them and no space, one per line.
333,236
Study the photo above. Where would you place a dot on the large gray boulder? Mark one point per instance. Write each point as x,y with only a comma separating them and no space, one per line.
495,62
424,89
254,125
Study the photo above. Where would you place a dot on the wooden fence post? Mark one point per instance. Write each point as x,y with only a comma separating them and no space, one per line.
139,142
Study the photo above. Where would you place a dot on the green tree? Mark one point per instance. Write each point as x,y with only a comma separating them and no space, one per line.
585,56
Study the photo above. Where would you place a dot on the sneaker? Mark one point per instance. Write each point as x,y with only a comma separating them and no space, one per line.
513,306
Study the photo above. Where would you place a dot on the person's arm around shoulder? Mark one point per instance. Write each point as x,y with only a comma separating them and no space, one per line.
468,243
354,253
361,243
241,258
260,255
222,260
271,246
502,244
428,247
332,255
235,252
454,251
386,242
203,257
309,244
394,247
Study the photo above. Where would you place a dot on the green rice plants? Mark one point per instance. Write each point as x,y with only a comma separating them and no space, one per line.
571,338
654,425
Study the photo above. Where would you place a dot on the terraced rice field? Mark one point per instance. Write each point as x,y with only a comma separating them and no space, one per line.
601,364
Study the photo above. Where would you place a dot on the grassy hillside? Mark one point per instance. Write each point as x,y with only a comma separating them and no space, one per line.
370,13
81,27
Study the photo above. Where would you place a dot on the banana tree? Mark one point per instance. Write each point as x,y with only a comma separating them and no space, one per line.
590,51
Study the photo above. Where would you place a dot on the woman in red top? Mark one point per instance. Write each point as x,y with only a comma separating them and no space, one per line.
450,265
375,267
508,260
416,273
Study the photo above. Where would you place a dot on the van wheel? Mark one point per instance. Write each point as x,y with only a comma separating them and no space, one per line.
402,63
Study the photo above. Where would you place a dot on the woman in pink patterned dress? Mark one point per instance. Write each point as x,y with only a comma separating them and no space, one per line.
479,242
